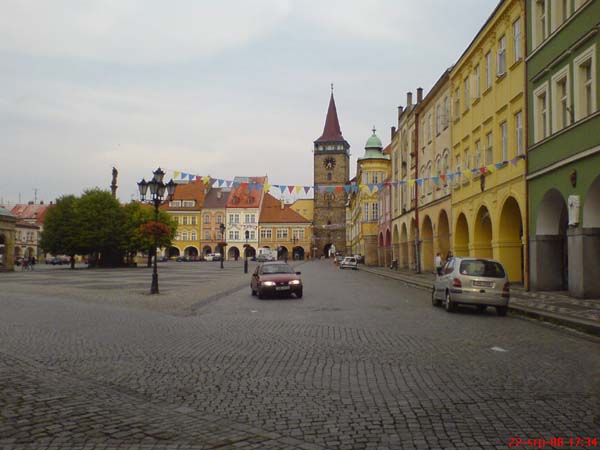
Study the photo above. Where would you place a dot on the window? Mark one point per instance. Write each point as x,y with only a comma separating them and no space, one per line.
282,233
375,177
375,210
207,235
560,11
234,235
467,160
517,39
585,83
458,166
504,140
476,75
446,112
188,203
329,176
206,218
184,220
540,23
175,203
266,233
489,150
193,235
467,94
252,235
219,219
249,218
488,70
456,104
366,213
438,120
519,132
184,235
193,220
298,233
234,218
477,154
501,56
541,123
429,128
560,96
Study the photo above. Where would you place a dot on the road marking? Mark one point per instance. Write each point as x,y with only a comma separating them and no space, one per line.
253,311
498,349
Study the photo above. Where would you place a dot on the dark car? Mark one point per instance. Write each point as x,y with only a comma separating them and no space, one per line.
275,278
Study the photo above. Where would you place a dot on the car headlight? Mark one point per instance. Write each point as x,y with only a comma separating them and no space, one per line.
295,282
268,283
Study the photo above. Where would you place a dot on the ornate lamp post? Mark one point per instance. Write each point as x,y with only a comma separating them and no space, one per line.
294,240
157,196
222,229
246,252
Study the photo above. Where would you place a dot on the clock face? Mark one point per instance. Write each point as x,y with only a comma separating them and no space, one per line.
329,163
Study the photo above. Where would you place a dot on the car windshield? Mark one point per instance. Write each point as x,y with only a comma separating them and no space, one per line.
277,268
482,268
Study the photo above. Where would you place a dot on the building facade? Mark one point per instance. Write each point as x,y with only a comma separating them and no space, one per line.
563,94
372,171
185,208
435,143
7,240
283,229
214,214
384,227
30,225
331,170
243,213
488,115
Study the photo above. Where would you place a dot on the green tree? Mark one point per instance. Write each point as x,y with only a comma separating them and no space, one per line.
61,229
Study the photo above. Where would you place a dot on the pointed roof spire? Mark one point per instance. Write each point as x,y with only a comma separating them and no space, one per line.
332,131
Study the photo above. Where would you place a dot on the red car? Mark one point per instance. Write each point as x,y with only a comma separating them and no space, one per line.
275,278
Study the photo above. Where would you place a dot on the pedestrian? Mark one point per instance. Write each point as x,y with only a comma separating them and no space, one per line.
438,263
24,264
31,262
449,256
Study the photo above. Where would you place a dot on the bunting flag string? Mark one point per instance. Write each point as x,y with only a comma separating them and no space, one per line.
348,188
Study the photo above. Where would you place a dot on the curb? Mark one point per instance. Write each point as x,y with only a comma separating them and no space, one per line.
586,326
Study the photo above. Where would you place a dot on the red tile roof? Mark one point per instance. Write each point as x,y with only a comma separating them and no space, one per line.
388,150
332,131
194,190
216,198
271,212
30,212
247,194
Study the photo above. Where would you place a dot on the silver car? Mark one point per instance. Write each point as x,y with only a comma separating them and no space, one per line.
349,262
473,281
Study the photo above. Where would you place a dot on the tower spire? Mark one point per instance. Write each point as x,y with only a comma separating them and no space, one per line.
331,131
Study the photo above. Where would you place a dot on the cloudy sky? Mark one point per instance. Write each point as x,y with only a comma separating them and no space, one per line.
225,88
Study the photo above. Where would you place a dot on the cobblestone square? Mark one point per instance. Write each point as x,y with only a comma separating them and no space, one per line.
89,360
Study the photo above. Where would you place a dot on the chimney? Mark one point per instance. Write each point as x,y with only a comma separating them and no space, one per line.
393,132
408,99
219,194
419,95
400,109
282,204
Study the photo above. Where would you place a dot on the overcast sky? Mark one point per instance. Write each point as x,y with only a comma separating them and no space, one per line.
220,88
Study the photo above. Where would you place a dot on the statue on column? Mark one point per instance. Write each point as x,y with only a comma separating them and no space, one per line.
113,184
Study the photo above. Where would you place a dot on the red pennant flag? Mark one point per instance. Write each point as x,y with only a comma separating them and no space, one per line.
339,189
443,178
291,189
198,177
482,170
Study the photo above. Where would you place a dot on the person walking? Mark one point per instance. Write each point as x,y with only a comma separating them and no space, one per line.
438,263
31,263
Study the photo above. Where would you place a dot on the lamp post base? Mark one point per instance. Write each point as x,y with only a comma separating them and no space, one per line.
246,265
154,287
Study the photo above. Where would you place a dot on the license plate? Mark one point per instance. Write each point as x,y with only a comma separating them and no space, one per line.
282,288
488,284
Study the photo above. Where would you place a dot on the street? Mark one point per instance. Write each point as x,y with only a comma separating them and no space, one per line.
89,360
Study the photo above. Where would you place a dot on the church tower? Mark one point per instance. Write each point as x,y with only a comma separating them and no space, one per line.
331,175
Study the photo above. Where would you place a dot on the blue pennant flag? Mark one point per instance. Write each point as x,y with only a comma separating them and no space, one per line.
184,175
236,184
436,179
451,176
371,186
419,181
330,189
282,188
191,177
498,165
380,186
219,183
347,189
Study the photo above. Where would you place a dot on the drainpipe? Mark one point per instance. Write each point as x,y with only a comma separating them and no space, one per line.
526,273
417,234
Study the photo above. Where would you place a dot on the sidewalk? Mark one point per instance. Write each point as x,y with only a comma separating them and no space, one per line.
554,307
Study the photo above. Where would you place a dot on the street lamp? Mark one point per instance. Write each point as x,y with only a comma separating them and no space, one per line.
157,196
246,252
294,240
222,229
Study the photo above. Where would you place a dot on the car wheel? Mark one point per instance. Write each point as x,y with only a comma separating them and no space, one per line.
449,304
434,301
481,308
253,292
299,294
501,310
260,294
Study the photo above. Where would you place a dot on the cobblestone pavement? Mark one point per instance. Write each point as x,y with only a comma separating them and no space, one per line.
86,361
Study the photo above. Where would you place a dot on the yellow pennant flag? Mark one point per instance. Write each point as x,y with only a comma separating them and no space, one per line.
206,179
490,168
266,187
298,189
411,183
176,174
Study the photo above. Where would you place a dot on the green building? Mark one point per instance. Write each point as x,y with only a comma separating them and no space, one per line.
563,136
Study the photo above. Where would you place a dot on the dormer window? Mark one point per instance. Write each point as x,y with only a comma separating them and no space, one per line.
175,203
250,200
235,200
189,203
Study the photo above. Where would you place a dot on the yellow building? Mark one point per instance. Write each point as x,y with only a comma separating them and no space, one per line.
304,207
362,211
186,207
435,144
488,109
284,230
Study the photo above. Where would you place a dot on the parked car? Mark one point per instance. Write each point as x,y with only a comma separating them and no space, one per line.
56,261
472,281
338,259
349,262
275,277
360,258
181,259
